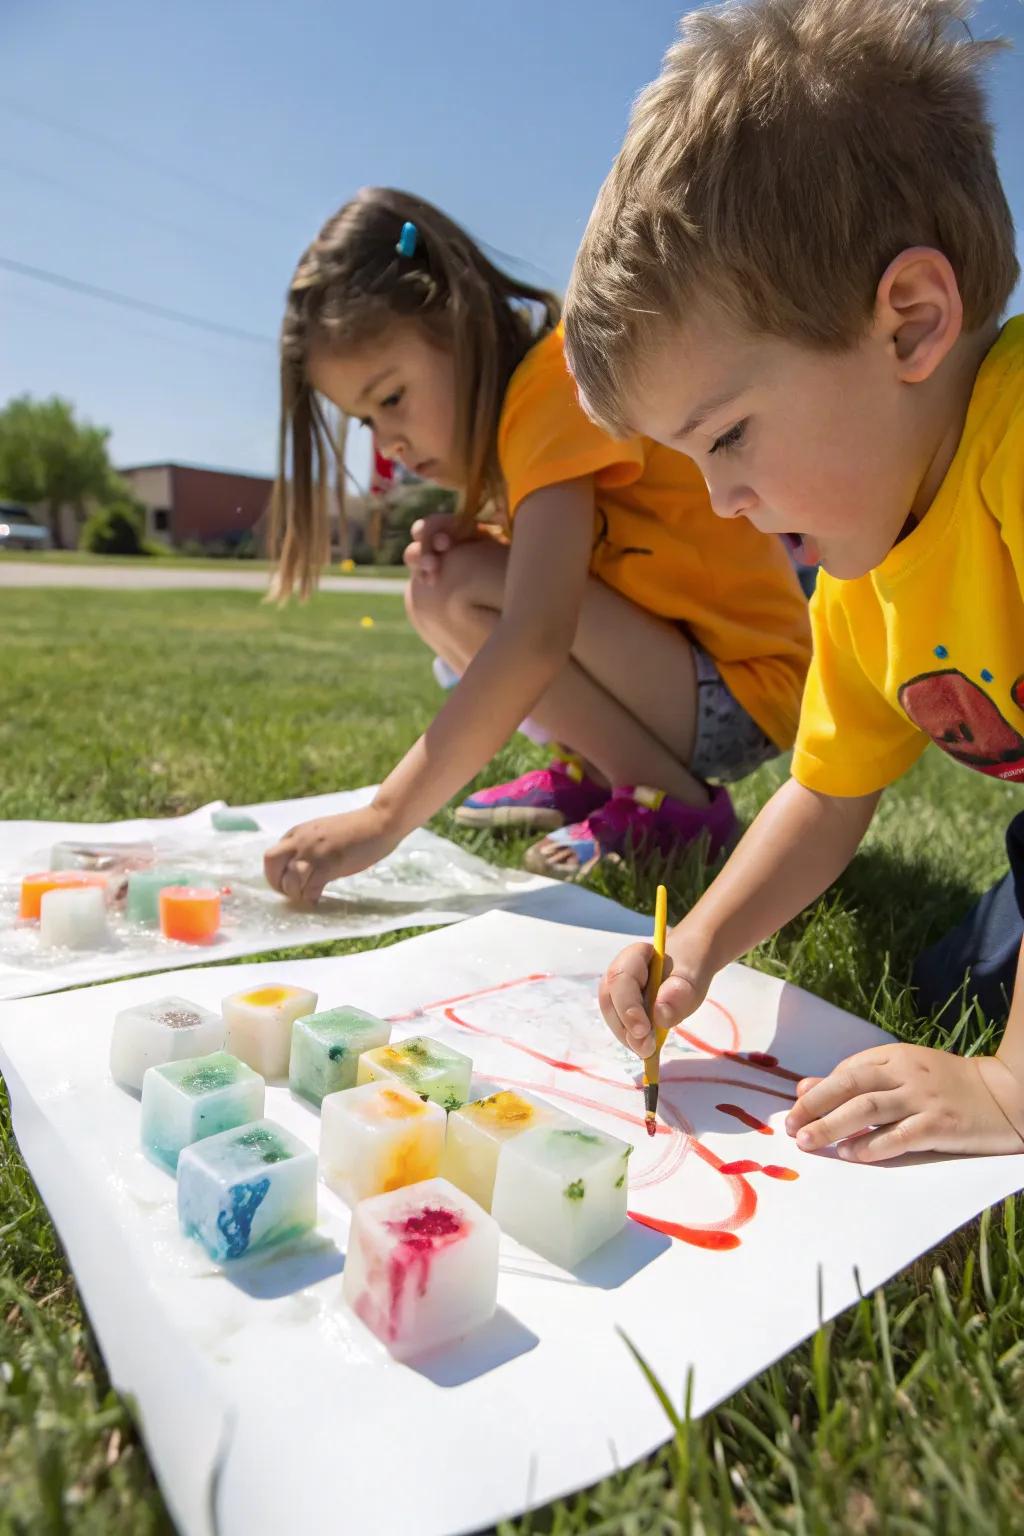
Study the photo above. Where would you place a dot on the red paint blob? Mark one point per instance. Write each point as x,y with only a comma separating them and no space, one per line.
698,1237
424,1226
776,1171
747,1118
762,1059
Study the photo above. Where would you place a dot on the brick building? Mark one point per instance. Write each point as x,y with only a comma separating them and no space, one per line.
187,504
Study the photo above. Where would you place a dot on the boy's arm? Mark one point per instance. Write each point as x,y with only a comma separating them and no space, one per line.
548,564
796,847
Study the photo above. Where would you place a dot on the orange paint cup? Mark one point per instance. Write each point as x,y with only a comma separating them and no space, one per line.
189,913
35,887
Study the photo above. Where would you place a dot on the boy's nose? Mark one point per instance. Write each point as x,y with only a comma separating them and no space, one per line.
731,500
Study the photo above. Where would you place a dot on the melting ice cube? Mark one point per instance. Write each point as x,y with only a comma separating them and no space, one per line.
246,1189
422,1266
562,1191
478,1131
377,1138
326,1048
259,1024
169,1029
426,1066
184,1101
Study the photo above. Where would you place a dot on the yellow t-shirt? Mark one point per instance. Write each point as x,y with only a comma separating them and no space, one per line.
657,541
929,646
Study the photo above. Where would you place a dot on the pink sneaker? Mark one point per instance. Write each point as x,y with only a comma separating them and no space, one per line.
541,800
638,819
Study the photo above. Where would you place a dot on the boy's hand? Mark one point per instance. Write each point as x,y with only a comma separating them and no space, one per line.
310,855
430,539
915,1100
687,976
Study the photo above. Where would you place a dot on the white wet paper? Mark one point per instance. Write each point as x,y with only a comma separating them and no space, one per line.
427,881
263,1399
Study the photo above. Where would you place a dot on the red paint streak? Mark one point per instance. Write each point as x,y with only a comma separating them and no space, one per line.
678,1072
527,1050
444,1002
732,1052
773,1170
698,1237
747,1118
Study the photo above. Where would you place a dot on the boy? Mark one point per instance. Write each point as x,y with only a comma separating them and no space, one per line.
794,273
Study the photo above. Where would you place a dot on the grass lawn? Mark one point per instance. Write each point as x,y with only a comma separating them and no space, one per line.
168,558
902,1416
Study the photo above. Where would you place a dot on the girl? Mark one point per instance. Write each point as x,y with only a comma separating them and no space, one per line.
666,647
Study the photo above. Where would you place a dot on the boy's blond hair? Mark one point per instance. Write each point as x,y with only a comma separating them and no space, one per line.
788,150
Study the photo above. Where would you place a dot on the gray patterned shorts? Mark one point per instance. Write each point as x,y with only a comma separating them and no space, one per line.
728,744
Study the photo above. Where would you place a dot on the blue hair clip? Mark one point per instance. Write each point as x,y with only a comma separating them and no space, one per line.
407,240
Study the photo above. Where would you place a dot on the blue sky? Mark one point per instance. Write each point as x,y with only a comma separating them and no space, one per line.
184,154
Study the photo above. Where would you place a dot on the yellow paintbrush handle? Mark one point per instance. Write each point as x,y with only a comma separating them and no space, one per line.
654,975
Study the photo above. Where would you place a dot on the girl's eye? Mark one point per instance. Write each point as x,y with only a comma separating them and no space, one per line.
730,439
391,400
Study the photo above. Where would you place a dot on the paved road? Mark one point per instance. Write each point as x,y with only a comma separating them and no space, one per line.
22,573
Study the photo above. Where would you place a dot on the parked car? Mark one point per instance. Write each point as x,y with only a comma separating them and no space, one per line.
19,529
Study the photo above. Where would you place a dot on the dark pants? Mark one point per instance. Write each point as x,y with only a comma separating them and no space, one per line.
984,947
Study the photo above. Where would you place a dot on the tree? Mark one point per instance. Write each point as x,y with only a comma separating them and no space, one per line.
49,458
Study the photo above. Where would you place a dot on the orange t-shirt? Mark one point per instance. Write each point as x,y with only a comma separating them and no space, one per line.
657,541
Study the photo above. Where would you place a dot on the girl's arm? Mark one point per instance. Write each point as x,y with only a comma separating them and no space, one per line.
547,572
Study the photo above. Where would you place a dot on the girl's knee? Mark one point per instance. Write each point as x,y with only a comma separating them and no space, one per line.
465,577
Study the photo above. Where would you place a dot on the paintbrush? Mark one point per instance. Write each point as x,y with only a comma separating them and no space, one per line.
652,1066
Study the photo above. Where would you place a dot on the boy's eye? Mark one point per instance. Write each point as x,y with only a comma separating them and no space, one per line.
730,439
391,400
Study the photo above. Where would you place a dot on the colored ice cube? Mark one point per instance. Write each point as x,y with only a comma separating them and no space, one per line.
477,1132
227,820
189,913
259,1024
106,858
246,1189
422,1266
426,1066
150,1034
562,1191
144,887
377,1138
185,1101
35,887
73,919
326,1048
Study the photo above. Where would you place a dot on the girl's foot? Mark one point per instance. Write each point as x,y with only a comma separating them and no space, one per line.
541,800
637,819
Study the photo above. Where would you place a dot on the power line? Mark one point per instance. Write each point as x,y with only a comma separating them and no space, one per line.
115,206
140,157
126,301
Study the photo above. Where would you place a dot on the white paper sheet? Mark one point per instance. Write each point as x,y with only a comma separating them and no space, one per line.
426,881
315,1427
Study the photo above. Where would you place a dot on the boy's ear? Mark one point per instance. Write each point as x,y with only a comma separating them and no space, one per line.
918,311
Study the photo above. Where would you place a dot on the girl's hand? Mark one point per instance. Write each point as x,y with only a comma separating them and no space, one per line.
894,1099
687,976
310,855
430,540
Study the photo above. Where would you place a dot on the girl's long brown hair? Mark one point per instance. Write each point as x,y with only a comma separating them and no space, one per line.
348,287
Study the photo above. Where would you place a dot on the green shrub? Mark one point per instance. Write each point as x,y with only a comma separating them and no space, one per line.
116,528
